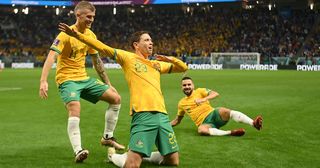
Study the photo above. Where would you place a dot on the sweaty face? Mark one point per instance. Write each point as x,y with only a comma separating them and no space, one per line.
187,87
85,17
145,45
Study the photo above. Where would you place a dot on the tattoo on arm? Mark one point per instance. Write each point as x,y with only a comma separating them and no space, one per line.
99,66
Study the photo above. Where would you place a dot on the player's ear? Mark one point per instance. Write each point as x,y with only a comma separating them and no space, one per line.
77,13
135,44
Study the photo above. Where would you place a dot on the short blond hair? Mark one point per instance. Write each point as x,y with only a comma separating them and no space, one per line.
84,5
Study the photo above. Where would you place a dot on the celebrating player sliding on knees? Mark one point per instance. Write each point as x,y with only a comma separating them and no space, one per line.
208,119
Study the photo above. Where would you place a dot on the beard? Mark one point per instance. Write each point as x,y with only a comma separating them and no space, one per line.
187,92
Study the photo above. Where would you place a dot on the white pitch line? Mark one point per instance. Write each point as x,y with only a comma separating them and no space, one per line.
9,89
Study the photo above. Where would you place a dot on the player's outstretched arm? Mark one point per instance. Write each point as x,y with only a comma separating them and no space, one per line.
94,43
178,65
51,58
176,121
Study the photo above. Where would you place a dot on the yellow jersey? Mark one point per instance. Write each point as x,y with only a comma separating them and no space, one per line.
196,112
142,75
72,56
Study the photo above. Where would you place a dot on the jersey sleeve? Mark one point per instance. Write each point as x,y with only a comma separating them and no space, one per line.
92,51
165,67
204,92
176,66
181,111
59,42
120,56
104,50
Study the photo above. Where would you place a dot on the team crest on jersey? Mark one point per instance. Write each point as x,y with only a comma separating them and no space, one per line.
156,66
56,42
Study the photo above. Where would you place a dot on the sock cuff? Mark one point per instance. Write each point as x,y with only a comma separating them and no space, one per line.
232,112
73,119
114,105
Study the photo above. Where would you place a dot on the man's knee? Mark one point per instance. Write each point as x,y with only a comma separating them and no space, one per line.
73,108
171,159
115,96
111,96
174,162
203,130
131,164
133,160
116,99
224,113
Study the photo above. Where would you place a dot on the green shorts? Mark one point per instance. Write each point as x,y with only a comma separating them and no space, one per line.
214,119
90,89
149,129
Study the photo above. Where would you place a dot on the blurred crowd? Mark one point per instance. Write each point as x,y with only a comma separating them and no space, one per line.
175,31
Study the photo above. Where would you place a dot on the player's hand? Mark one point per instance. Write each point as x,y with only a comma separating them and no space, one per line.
43,92
174,123
199,101
65,28
163,58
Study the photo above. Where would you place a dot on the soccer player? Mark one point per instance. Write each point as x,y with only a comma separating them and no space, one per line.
208,119
150,123
73,81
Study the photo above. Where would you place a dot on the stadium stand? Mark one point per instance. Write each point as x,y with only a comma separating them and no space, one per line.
289,36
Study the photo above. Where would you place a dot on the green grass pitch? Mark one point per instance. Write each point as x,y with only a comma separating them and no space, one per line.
33,131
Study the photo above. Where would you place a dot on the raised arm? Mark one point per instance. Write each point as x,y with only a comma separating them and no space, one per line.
177,65
51,58
94,43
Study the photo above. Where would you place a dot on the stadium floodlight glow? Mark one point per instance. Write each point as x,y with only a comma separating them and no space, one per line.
13,5
46,6
15,11
63,7
188,9
114,10
25,10
270,6
311,6
211,6
198,4
132,10
57,11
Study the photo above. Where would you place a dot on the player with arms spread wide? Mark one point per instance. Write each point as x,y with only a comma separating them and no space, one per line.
208,119
150,123
73,81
